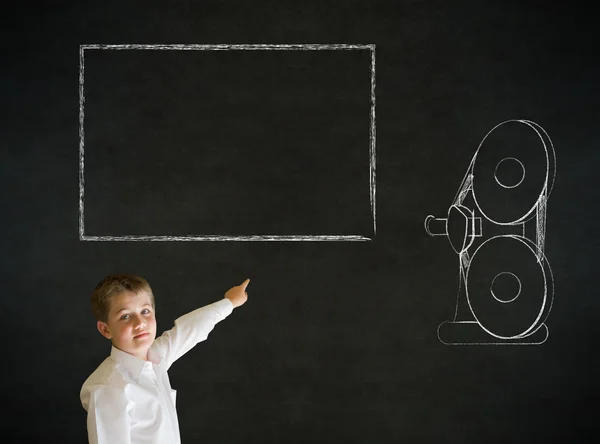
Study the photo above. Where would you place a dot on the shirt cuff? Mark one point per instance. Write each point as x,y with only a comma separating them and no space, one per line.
225,305
217,311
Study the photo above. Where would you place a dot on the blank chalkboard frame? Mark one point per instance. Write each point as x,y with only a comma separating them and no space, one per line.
223,47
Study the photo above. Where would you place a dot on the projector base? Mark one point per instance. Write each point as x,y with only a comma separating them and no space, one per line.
471,333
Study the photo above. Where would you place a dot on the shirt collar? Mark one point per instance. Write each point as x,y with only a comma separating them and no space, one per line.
133,364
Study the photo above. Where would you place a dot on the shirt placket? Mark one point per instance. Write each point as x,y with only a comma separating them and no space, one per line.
164,391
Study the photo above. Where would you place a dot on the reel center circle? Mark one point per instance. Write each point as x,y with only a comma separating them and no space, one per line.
509,172
506,287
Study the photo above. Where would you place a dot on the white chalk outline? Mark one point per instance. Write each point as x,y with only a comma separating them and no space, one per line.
511,299
225,47
510,186
546,299
536,247
543,327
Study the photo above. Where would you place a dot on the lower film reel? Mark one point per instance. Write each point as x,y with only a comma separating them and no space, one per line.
509,287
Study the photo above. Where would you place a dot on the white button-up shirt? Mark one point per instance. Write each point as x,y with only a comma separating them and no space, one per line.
129,400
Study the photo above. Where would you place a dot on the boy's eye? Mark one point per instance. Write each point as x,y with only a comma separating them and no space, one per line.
145,311
125,317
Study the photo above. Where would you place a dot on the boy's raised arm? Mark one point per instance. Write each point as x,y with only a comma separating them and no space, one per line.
196,325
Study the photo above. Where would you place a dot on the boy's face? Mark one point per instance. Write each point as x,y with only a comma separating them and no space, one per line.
131,323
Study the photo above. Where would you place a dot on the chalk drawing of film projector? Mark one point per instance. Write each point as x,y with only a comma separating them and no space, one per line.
497,225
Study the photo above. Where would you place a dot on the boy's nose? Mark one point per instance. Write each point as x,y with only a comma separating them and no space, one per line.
138,323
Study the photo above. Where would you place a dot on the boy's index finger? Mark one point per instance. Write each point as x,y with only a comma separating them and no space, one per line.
245,284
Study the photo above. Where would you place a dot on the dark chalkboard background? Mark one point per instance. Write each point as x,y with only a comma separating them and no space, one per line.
338,341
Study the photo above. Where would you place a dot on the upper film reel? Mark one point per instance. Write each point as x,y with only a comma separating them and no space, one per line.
513,169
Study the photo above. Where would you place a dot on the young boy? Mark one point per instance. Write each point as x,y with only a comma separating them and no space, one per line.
128,398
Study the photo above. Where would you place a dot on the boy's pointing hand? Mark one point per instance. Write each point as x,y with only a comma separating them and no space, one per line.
237,295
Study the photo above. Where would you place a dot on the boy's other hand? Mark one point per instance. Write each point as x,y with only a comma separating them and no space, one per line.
237,295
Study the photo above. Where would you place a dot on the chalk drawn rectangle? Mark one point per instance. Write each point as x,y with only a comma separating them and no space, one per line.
225,47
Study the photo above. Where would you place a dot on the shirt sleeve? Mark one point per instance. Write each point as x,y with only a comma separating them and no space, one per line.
108,415
191,329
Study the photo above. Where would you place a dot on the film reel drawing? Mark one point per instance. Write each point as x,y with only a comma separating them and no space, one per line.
497,226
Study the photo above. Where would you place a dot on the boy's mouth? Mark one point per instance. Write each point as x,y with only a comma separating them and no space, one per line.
141,335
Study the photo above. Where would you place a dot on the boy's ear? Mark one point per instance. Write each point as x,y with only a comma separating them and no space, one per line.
103,329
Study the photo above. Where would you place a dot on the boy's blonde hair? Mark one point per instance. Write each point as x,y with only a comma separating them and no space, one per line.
113,285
